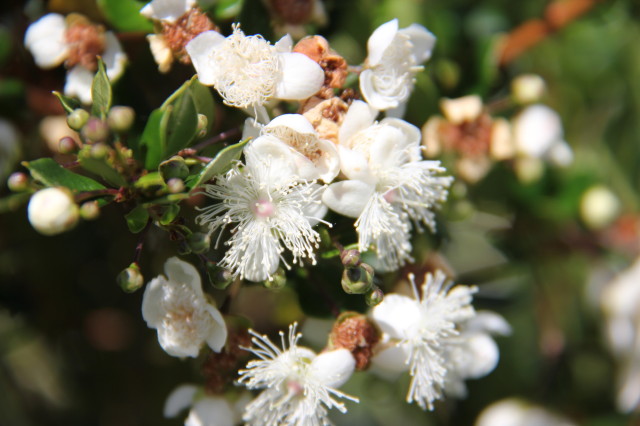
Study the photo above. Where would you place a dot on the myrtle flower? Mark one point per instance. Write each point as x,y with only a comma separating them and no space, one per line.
299,387
417,332
205,409
389,187
167,10
394,58
53,40
176,306
247,70
53,210
272,209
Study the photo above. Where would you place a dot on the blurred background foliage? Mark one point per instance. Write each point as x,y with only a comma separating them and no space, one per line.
74,349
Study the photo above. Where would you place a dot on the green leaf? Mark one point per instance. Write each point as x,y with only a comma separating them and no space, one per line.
203,100
154,137
169,214
69,104
101,92
50,173
101,167
182,125
13,202
221,163
252,19
227,9
150,181
124,15
137,219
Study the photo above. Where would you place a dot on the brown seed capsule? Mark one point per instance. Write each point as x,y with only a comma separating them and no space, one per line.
354,332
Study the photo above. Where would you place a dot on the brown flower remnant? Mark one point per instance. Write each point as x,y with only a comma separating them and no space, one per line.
354,332
220,369
334,65
86,41
176,35
325,115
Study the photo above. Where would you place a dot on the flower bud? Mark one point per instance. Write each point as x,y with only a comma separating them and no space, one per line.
18,182
220,278
199,242
374,296
599,207
203,124
354,332
120,118
527,88
130,279
99,151
175,185
277,281
52,211
350,258
357,280
89,210
174,167
67,145
95,130
77,119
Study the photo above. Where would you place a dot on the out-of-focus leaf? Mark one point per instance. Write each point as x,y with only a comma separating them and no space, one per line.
154,137
101,92
50,173
69,104
124,15
137,219
221,163
170,213
13,202
101,167
227,9
150,181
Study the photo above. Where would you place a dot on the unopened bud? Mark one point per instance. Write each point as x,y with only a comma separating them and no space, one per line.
77,119
18,182
95,130
199,242
599,207
174,167
527,88
52,211
120,118
203,124
357,280
175,185
67,145
350,258
130,279
89,210
220,278
99,151
354,332
277,281
374,296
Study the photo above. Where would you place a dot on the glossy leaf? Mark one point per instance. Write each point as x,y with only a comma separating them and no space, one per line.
69,104
100,167
137,219
220,164
101,92
182,125
50,173
124,15
154,137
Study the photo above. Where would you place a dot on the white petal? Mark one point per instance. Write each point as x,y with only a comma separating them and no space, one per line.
301,77
411,136
397,315
152,308
536,129
210,411
78,84
329,163
295,122
560,154
114,57
45,38
488,321
483,356
167,10
167,339
333,368
359,116
369,92
217,336
380,40
251,129
199,50
355,165
422,40
179,399
398,111
348,197
314,212
278,158
179,271
391,360
285,44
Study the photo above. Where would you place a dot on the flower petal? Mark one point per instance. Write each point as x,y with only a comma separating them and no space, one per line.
199,50
397,315
483,356
167,10
78,84
348,197
217,336
359,116
354,165
301,77
422,40
152,307
45,38
114,57
333,368
380,40
373,96
211,411
179,399
391,360
179,271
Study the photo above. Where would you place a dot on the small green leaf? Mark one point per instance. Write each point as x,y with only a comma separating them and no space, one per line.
137,219
169,214
69,104
124,15
167,199
203,100
50,173
101,167
227,9
101,92
182,125
221,163
154,137
150,181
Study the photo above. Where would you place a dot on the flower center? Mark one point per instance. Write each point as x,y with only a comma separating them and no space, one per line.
86,42
263,208
181,32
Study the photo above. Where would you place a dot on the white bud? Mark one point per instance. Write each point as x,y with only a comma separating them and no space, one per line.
52,211
459,110
527,88
599,207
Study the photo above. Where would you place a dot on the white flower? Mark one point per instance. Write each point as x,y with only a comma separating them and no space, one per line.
314,158
298,385
176,306
167,10
418,331
247,70
394,58
47,39
52,211
517,412
389,187
272,209
206,410
538,133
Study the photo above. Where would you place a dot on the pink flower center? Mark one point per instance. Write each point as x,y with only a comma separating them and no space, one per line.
263,208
